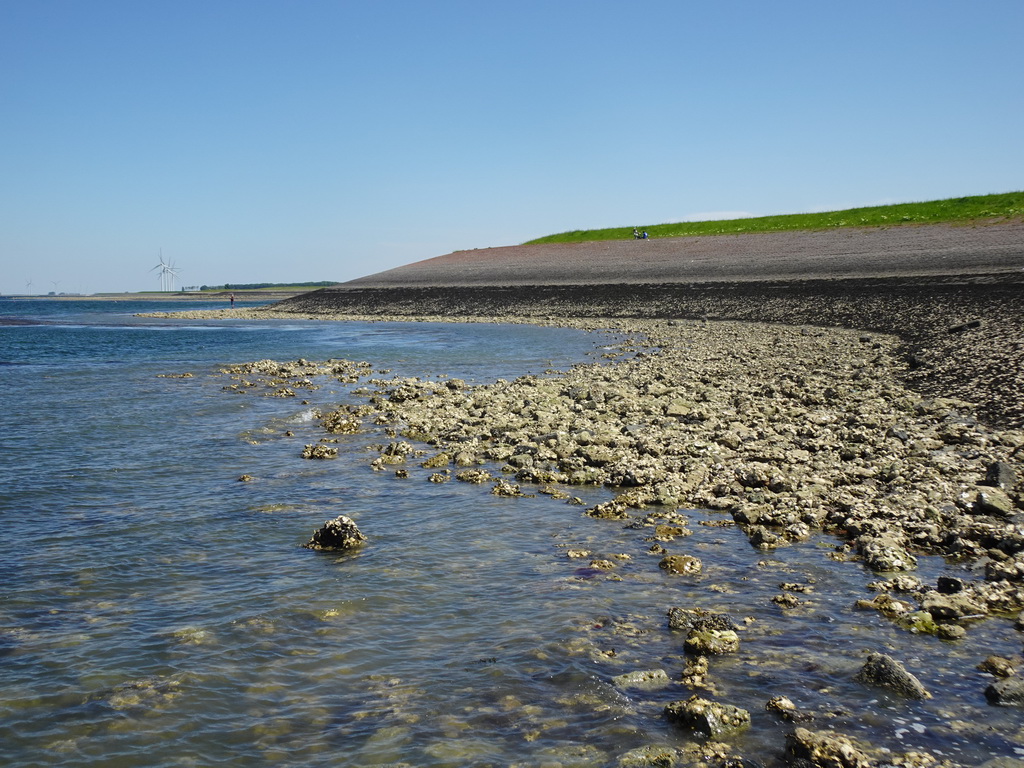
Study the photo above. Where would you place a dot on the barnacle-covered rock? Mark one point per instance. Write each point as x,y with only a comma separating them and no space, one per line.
826,749
340,533
681,564
711,642
883,671
340,422
708,718
319,451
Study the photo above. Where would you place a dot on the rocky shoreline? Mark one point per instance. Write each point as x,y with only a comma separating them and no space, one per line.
886,412
788,428
958,336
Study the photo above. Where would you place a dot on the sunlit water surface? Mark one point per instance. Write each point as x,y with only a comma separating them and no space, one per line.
157,611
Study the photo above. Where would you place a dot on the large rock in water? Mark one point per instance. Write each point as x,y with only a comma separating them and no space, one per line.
689,619
681,564
711,642
1008,692
339,533
708,718
825,748
645,678
884,671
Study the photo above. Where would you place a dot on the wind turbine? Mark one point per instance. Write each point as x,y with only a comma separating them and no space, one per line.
28,287
172,275
168,273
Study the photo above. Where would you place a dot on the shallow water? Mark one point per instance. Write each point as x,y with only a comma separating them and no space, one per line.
157,611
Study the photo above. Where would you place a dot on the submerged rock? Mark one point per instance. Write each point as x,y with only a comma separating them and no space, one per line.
698,619
1008,692
883,671
148,695
708,718
339,533
646,757
644,678
1000,666
711,642
826,749
681,564
319,451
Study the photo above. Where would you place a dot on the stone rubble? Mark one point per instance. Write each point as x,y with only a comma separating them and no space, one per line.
785,430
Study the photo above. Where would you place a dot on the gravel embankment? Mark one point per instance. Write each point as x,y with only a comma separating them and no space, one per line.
906,251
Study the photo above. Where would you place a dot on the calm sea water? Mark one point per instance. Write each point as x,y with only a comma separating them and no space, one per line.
156,611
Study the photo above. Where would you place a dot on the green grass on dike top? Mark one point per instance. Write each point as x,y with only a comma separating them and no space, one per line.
980,208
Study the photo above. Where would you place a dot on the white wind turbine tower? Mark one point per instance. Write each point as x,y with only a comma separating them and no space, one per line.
168,273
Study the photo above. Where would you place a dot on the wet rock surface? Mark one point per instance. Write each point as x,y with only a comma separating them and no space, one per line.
824,749
707,718
1009,691
341,533
647,678
711,642
883,671
681,564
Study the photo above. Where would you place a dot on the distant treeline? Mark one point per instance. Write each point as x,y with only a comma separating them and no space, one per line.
258,286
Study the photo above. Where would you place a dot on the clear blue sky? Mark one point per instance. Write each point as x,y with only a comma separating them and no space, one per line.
270,141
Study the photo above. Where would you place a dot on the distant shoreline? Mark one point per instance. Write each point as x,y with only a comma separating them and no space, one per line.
220,296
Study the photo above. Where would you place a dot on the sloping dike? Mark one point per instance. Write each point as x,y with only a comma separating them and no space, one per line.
953,293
